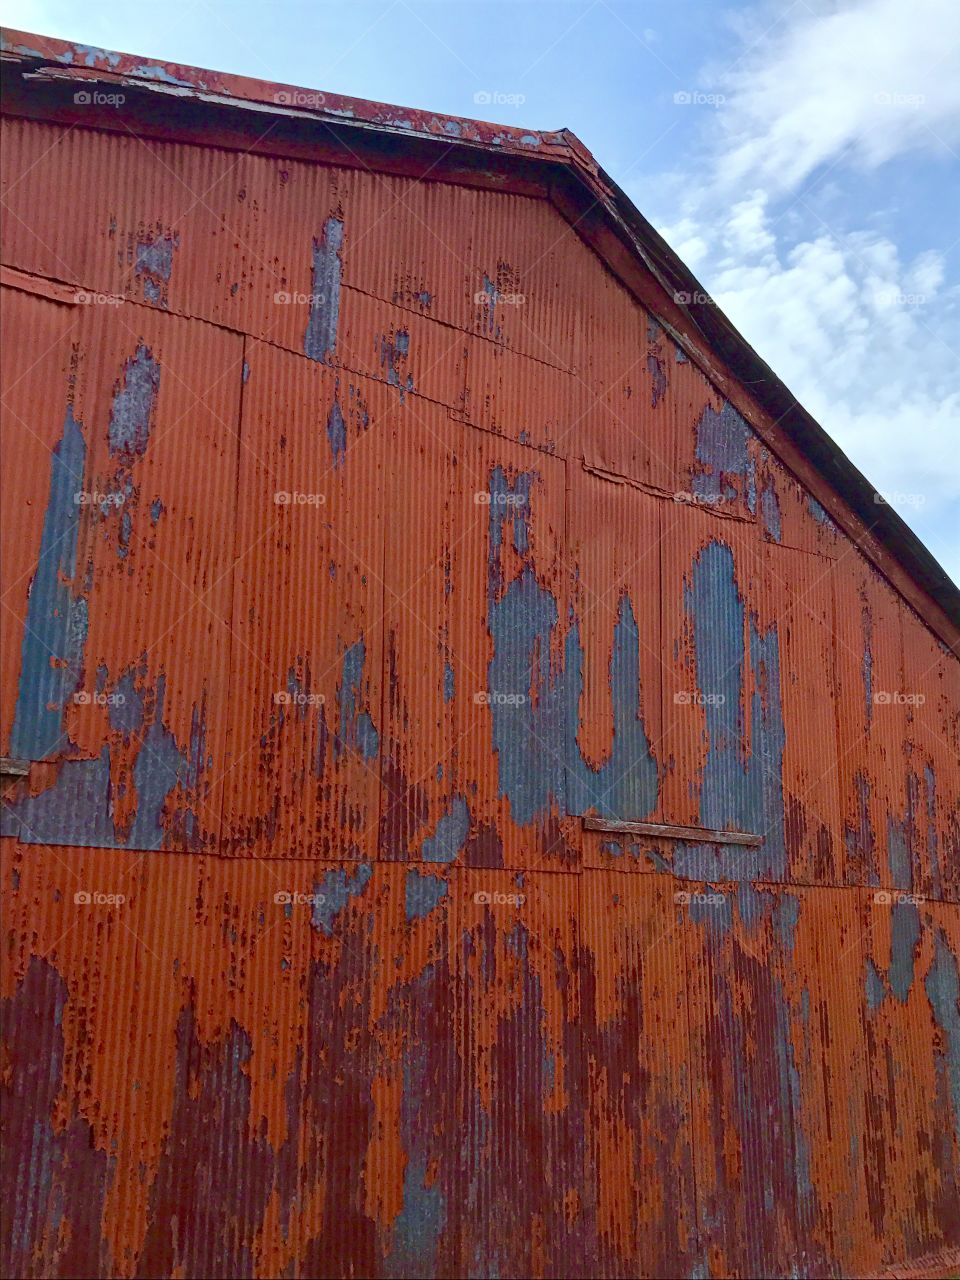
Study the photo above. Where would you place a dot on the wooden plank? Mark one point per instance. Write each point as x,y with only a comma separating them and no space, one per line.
700,835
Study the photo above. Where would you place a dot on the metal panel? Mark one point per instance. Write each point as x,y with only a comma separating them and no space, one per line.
714,452
427,227
752,689
777,1057
723,734
789,513
931,687
507,606
379,1179
308,603
626,425
613,649
428,511
911,991
798,601
473,680
522,1135
647,397
638,1177
131,594
525,262
872,728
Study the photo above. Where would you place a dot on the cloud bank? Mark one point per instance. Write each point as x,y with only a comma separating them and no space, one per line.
866,334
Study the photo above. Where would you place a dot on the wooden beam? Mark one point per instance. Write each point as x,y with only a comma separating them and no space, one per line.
663,831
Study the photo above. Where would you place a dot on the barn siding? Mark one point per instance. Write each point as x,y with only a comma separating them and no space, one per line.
408,538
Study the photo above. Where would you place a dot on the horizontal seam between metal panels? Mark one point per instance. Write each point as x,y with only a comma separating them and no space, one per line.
272,342
655,491
804,551
467,333
30,283
616,864
442,869
461,417
31,276
144,306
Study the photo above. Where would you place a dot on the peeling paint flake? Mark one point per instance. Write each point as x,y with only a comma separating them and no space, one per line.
133,406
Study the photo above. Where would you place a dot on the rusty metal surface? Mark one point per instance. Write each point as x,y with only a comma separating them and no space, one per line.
777,1042
872,728
912,1029
932,750
302,779
33,425
362,537
639,1174
416,1071
126,451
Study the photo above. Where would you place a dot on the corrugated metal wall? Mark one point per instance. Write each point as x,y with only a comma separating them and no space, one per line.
360,536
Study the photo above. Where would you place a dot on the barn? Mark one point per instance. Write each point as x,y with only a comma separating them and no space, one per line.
481,768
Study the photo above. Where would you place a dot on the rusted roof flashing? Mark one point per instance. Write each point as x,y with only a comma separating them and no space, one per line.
220,88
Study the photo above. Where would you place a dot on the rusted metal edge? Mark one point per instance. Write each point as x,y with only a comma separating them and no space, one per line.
225,89
664,831
605,217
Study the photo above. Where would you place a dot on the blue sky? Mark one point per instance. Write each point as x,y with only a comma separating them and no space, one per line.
809,172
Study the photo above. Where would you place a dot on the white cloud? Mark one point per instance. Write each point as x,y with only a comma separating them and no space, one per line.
869,80
866,336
